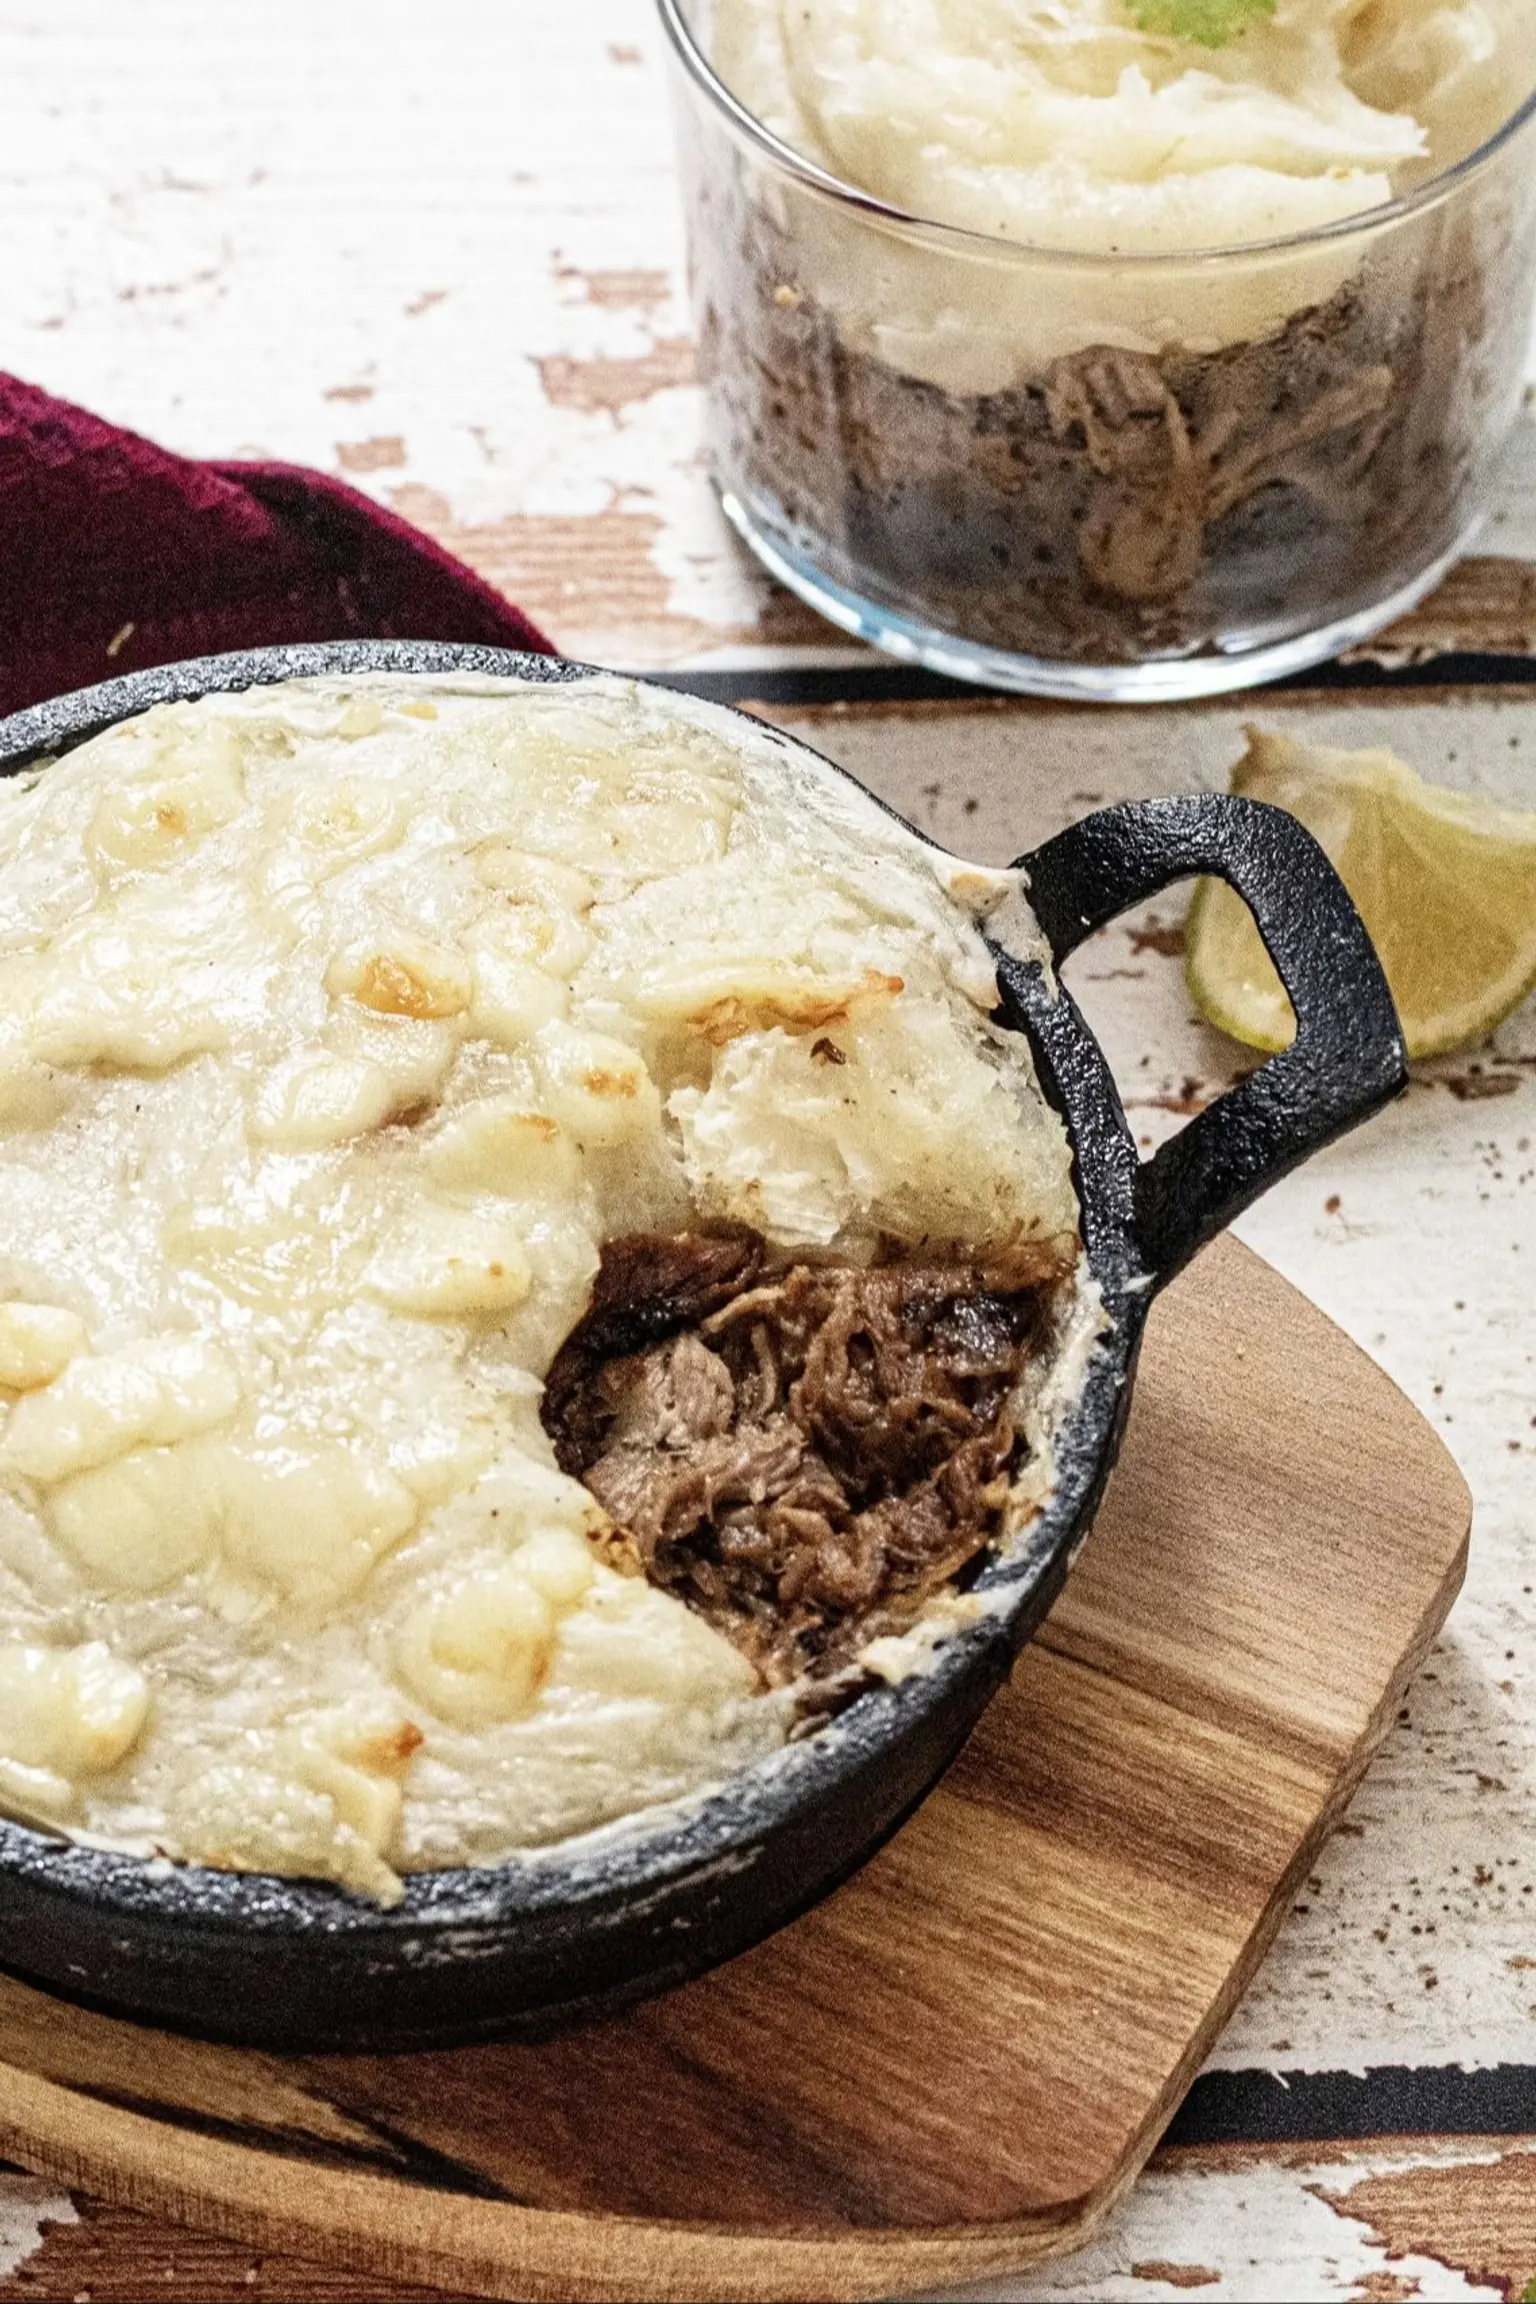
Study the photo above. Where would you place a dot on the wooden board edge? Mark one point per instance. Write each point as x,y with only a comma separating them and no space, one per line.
403,2232
1340,1793
1230,1263
383,2227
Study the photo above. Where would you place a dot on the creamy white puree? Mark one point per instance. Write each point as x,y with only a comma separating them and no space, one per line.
1057,124
340,1024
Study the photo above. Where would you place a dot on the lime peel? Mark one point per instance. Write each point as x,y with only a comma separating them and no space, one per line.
1205,23
1445,882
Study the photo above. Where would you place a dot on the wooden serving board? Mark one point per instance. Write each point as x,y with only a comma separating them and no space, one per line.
957,2064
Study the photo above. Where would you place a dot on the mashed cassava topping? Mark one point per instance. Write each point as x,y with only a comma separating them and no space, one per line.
1093,125
348,1032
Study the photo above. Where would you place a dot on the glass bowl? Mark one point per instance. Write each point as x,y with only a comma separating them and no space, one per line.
955,447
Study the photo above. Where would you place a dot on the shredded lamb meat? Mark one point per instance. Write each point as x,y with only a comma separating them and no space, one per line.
803,1456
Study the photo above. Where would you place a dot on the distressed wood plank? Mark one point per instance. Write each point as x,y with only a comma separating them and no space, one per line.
491,330
49,2249
1384,2222
1418,1235
481,322
846,2108
1485,607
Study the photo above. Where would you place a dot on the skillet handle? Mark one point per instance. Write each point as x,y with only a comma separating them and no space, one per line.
1347,1059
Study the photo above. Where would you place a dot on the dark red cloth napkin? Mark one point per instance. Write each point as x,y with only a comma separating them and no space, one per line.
115,554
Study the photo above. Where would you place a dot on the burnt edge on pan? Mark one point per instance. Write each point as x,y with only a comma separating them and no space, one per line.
805,1454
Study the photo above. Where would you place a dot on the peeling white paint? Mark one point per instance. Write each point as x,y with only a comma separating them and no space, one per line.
25,2206
161,194
163,265
1264,2232
1409,1945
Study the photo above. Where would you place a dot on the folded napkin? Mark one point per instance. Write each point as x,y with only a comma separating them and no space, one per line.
115,555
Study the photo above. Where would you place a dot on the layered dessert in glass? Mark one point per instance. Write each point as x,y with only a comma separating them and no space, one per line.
1118,347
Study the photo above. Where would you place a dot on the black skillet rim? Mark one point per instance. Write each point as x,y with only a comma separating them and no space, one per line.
651,1852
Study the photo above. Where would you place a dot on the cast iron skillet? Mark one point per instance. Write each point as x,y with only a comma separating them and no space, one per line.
581,1931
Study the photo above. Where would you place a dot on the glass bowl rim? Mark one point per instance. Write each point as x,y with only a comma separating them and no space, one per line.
1367,221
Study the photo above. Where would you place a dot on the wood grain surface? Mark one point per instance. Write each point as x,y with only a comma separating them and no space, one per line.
960,2061
449,267
315,234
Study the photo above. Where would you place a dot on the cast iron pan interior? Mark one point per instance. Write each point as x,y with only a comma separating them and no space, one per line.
537,1944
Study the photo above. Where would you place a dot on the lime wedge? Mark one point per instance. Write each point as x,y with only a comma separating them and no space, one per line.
1445,883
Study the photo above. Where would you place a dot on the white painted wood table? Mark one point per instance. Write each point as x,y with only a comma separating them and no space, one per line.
437,250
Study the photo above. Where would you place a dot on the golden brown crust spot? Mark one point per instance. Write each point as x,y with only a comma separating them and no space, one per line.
389,1754
392,988
788,1009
